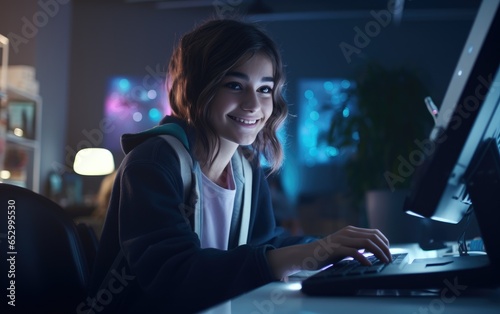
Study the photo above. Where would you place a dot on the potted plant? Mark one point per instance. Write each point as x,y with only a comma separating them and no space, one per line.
386,116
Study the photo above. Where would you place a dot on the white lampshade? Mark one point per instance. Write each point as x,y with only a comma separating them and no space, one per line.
94,162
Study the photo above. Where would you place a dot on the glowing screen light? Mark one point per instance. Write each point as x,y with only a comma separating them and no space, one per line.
137,116
320,100
346,112
131,106
124,85
155,115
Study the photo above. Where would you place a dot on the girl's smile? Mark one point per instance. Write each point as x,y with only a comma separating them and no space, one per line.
243,102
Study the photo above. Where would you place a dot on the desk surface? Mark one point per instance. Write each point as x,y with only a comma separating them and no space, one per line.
280,297
286,297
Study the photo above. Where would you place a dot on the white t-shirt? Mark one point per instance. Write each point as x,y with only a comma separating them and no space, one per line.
217,211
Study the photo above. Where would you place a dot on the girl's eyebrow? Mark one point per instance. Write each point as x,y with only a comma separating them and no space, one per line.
246,78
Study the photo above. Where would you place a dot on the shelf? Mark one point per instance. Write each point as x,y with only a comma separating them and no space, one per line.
20,112
18,94
11,138
21,162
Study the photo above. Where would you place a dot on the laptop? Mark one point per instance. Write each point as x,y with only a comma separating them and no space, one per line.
460,174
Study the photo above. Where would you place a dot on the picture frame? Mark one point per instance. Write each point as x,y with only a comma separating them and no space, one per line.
21,117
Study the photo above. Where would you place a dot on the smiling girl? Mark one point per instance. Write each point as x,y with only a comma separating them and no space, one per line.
226,95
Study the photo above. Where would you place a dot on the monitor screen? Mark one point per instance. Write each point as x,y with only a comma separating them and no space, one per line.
468,117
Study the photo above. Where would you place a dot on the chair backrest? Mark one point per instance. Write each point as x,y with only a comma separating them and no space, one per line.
43,250
89,241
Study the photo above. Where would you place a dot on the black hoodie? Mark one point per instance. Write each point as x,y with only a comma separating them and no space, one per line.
161,267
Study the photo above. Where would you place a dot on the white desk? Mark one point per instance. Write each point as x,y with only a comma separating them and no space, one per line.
281,297
276,298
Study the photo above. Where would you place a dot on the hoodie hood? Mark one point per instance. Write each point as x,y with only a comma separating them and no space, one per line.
168,126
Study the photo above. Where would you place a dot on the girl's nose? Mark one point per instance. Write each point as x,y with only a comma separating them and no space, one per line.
251,102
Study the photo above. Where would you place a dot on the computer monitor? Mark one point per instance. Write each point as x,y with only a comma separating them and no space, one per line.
466,136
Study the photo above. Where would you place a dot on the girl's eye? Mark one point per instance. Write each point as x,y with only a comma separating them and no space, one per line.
265,89
233,85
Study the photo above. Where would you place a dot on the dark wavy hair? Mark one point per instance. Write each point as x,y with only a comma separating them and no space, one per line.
199,63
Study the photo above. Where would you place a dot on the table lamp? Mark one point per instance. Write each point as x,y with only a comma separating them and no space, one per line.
94,162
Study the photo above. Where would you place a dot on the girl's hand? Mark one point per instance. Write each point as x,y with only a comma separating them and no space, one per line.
348,241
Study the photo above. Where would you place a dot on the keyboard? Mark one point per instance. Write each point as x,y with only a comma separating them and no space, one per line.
349,277
352,267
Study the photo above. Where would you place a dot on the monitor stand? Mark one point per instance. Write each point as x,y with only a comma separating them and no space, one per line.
483,184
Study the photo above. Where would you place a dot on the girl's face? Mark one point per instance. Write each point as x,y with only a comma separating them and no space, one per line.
244,101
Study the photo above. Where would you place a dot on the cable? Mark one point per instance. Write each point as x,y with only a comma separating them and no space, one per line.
462,244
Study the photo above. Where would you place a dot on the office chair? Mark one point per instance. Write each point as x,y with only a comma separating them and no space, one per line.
89,241
46,256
